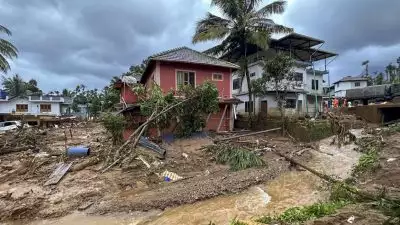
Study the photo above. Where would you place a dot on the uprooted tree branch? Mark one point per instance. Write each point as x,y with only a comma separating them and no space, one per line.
184,111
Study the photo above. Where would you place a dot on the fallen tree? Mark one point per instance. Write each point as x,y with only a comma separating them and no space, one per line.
189,110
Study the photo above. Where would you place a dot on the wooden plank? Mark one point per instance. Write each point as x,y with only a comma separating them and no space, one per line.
222,118
58,173
244,135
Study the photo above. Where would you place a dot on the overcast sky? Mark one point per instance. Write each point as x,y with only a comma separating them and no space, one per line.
65,43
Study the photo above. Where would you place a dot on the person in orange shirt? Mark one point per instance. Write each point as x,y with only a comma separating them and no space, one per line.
335,103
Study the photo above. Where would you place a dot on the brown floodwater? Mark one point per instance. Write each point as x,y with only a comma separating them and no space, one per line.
294,188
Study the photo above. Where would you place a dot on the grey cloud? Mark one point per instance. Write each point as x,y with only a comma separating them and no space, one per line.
357,30
82,41
348,24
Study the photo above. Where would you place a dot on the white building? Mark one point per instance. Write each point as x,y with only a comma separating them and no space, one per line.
31,105
347,83
307,90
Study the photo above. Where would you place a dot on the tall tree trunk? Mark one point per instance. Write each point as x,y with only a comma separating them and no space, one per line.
247,76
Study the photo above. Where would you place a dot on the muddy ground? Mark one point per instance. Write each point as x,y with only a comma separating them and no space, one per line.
122,189
385,179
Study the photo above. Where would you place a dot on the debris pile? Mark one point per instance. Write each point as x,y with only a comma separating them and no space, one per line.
20,140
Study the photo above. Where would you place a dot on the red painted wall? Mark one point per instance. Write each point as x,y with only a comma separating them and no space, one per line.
203,73
128,95
215,118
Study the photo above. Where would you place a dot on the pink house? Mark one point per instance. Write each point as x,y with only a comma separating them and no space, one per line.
183,65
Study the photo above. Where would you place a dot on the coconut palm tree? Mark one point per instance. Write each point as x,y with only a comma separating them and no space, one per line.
242,23
7,50
14,85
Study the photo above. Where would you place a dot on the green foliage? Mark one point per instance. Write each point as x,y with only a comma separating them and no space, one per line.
236,158
379,79
155,100
302,214
190,116
278,76
340,193
14,85
114,124
137,70
7,50
237,222
368,162
243,24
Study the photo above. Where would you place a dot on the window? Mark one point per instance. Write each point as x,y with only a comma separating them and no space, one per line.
236,83
252,74
45,108
22,107
298,77
314,84
337,85
185,78
249,106
357,84
217,76
290,103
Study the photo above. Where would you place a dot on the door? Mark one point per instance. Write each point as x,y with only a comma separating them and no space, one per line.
264,107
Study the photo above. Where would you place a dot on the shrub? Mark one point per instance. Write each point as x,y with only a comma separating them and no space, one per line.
368,162
236,158
114,124
302,214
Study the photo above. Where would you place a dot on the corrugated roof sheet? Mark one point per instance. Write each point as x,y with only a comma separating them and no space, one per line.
187,55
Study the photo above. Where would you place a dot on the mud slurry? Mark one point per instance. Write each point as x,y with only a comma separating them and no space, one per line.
23,196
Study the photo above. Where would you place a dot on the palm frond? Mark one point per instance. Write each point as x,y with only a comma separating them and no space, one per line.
5,30
269,25
260,38
4,66
226,46
277,7
7,49
279,29
252,4
211,28
230,8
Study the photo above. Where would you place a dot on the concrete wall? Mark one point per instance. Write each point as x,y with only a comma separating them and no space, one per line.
33,107
256,68
308,84
341,87
272,105
168,79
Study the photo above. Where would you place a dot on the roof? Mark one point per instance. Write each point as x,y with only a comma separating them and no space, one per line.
350,78
296,40
299,46
187,55
128,79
